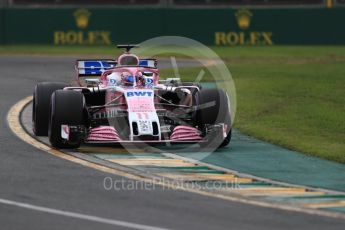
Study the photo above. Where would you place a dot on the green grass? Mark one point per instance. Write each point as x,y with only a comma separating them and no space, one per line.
299,106
293,96
289,96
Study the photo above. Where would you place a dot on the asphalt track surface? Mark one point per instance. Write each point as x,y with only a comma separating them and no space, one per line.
56,188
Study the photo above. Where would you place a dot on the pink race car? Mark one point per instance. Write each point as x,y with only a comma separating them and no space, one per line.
124,101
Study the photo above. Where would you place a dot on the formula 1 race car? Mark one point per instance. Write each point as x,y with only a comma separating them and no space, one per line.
123,101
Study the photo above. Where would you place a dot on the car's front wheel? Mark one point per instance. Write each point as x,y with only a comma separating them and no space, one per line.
66,108
40,106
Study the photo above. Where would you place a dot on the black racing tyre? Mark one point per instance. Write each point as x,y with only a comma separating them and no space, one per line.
213,108
66,108
40,106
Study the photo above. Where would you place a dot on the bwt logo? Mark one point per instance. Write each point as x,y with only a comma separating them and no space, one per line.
139,94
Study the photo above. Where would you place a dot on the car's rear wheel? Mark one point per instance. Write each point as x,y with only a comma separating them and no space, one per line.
213,109
67,108
40,106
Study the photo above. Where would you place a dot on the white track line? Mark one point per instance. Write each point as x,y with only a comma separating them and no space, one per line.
79,215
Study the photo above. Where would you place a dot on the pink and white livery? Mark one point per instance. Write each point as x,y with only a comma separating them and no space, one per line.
124,101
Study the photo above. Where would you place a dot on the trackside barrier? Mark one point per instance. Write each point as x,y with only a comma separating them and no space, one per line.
2,26
223,27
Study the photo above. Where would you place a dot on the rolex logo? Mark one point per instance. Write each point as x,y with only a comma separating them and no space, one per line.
243,18
82,18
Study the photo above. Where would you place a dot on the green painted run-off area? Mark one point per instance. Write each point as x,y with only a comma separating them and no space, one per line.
249,155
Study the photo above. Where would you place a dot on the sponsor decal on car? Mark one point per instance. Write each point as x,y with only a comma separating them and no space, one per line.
145,127
140,94
149,81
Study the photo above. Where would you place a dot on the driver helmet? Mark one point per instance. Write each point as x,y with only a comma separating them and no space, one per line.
127,79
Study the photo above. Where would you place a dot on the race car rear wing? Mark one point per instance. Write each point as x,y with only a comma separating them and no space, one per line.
87,68
93,68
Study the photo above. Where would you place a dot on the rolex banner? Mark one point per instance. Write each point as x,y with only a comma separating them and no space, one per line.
221,27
